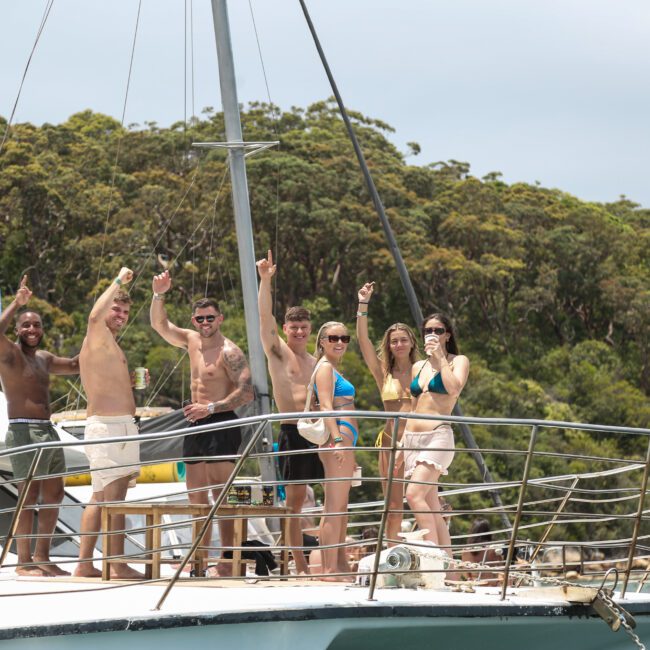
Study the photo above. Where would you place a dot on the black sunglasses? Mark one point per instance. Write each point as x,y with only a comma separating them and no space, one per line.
439,331
200,319
335,338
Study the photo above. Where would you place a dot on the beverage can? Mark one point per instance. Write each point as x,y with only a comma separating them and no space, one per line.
140,378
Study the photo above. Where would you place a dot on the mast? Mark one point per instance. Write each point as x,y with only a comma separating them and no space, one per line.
241,205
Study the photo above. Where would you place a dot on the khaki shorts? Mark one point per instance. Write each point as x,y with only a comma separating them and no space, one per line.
29,432
107,461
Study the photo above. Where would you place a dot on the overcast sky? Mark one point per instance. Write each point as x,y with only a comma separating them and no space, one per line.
555,91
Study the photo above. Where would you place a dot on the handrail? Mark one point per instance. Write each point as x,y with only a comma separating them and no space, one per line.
524,508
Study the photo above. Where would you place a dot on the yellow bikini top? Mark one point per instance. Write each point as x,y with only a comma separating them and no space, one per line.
392,390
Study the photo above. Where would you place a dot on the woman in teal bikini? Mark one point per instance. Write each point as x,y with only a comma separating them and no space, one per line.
437,383
334,392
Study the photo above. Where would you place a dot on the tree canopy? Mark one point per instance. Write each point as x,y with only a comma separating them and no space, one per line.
550,294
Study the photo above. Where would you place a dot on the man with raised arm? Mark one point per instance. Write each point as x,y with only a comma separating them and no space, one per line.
111,411
291,367
220,382
25,377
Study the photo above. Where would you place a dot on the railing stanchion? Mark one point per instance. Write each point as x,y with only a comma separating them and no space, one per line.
19,505
218,501
637,521
547,532
520,503
386,510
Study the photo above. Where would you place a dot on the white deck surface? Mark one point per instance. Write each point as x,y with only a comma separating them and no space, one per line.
22,596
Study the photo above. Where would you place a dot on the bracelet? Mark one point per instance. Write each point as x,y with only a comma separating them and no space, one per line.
338,439
363,302
158,296
362,313
118,282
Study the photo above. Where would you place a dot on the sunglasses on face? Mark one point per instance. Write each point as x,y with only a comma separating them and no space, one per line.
209,319
438,331
335,338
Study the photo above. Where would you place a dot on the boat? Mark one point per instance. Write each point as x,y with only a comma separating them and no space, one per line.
537,602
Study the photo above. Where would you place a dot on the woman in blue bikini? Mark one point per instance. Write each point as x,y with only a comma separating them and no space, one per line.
334,392
437,383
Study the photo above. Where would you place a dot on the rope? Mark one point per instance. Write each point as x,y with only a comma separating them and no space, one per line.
275,118
46,13
119,144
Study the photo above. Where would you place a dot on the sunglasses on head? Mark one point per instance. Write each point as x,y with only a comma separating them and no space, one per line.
335,338
209,319
439,331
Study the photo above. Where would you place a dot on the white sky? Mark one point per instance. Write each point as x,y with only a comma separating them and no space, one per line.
555,91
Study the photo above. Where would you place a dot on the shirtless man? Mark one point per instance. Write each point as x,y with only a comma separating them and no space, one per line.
291,367
25,376
220,382
111,410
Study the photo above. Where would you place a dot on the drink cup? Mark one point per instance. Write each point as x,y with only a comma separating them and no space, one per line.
356,477
140,378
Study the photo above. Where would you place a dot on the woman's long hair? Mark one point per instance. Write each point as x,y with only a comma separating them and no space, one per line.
322,333
386,355
452,346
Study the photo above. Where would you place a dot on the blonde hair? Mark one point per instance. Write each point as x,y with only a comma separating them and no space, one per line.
386,355
322,333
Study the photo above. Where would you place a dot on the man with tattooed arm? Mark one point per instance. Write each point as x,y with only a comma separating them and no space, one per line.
220,382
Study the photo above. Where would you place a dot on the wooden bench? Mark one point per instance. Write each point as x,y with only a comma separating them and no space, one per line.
154,513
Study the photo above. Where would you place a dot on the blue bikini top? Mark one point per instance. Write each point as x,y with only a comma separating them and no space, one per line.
342,387
435,384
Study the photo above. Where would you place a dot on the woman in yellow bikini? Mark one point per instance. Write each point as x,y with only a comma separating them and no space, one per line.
437,383
391,367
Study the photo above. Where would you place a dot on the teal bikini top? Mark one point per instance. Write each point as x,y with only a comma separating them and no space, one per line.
435,384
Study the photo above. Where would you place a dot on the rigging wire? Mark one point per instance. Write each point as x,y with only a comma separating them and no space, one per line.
46,13
275,120
119,143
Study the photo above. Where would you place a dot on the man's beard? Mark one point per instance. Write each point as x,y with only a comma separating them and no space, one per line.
28,344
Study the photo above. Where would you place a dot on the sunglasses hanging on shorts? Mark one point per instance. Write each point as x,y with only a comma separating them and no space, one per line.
209,319
438,331
334,338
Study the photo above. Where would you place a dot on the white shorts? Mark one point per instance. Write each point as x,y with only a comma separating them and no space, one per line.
107,461
434,447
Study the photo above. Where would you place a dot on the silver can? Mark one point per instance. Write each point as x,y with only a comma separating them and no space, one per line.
140,378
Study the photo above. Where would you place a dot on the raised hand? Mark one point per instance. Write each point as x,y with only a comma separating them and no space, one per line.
23,294
265,267
161,283
125,275
365,292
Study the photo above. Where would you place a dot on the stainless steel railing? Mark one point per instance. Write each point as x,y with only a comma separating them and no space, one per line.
529,514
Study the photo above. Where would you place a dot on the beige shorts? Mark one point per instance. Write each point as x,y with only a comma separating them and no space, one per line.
107,461
434,447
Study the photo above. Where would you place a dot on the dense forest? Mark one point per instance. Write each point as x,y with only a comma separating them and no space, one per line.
550,294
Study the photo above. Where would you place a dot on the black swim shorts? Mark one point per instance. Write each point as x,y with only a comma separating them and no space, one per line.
222,442
298,467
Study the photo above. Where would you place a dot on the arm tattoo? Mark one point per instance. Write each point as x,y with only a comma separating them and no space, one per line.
238,371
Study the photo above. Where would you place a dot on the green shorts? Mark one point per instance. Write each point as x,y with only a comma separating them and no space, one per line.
33,432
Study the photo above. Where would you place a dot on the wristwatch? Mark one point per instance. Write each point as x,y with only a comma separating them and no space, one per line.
211,408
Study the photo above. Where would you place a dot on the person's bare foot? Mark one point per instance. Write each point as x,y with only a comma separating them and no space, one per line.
50,568
219,570
86,570
32,571
334,578
125,572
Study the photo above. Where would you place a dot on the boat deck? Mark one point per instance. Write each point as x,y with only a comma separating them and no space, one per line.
50,609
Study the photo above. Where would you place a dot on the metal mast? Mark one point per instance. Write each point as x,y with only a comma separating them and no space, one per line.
236,153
